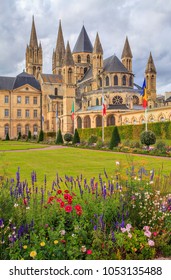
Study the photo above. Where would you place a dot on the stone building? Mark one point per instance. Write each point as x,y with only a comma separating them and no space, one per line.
35,100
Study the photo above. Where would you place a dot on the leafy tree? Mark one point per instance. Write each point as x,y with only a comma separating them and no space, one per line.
59,139
7,137
68,137
41,136
76,138
148,138
115,140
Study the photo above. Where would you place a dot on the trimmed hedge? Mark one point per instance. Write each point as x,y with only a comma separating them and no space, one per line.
162,130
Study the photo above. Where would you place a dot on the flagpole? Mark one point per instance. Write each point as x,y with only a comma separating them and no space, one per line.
56,120
102,111
146,120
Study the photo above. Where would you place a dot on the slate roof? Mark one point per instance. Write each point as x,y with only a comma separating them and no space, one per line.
25,78
53,97
6,83
113,64
51,78
83,43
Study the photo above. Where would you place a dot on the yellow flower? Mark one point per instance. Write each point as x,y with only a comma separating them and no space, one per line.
33,254
55,241
42,244
25,247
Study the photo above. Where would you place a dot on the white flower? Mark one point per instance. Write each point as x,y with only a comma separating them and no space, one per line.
15,205
62,232
27,208
117,162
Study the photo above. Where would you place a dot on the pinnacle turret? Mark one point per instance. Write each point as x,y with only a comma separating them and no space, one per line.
126,50
97,45
68,59
33,36
150,68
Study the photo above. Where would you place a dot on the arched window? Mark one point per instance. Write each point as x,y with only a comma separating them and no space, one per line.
87,122
124,80
79,58
115,80
26,129
110,120
107,81
70,76
6,129
79,122
18,129
135,100
85,70
98,121
56,91
97,102
35,129
130,81
88,58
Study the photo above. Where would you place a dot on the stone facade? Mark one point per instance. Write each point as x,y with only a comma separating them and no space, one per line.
81,77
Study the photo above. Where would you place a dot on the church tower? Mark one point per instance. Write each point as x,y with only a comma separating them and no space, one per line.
97,62
150,74
58,53
127,56
69,90
34,54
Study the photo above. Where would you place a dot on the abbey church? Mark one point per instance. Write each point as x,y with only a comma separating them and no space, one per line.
82,80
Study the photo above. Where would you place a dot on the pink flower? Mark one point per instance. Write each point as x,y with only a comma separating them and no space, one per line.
146,228
128,227
68,208
89,252
155,233
151,242
123,229
129,235
147,233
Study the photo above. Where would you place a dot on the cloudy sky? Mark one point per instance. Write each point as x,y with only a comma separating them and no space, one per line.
147,23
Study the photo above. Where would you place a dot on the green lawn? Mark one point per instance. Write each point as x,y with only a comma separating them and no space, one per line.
17,145
73,162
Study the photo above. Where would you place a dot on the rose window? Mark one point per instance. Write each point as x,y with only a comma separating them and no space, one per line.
117,100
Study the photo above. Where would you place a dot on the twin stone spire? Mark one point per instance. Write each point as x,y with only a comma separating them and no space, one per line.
62,56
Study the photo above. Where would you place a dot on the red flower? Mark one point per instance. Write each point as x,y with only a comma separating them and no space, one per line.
66,196
155,233
25,201
62,204
63,241
59,200
78,207
89,252
59,191
79,213
66,191
68,208
50,199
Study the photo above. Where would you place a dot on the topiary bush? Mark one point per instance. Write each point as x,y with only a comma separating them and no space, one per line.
7,138
59,139
68,137
19,136
161,146
93,139
76,138
41,136
115,140
148,138
29,135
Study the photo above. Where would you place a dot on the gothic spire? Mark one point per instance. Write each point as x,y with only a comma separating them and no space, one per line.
60,46
97,45
126,50
83,43
150,65
68,59
33,36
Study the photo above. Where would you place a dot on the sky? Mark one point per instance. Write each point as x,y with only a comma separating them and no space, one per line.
147,23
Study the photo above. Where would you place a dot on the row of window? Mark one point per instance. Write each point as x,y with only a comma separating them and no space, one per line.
19,113
87,121
19,99
117,100
125,81
22,130
79,58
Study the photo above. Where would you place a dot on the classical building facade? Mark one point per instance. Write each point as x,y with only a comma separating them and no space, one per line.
81,79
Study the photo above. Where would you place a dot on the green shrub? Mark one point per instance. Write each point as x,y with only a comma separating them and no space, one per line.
29,135
68,137
7,138
19,136
161,146
76,138
59,139
41,136
148,138
92,139
115,140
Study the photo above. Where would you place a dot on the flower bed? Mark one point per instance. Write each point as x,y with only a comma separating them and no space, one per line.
121,217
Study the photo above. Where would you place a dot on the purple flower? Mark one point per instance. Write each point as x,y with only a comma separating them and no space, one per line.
1,223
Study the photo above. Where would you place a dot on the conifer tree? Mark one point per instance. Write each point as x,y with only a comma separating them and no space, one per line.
115,139
59,139
41,136
7,137
76,138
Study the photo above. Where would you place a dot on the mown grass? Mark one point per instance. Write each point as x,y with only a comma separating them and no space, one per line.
73,162
17,145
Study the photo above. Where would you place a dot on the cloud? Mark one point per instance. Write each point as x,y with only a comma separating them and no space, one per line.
146,23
